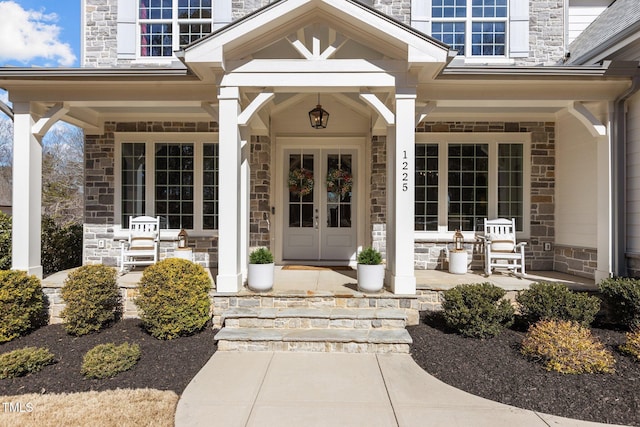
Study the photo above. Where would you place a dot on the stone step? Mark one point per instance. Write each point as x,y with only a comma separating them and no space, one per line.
320,340
321,318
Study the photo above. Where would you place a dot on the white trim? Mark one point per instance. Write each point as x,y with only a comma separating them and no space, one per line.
493,139
150,139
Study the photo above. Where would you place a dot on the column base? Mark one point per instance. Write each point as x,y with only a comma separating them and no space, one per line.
600,275
229,283
401,285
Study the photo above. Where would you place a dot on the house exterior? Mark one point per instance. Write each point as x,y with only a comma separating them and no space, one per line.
441,113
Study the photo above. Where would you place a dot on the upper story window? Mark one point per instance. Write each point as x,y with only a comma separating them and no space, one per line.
472,27
166,25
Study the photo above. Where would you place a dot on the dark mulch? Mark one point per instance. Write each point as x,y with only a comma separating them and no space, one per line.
495,369
163,365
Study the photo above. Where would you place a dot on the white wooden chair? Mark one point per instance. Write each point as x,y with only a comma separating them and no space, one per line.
500,247
143,244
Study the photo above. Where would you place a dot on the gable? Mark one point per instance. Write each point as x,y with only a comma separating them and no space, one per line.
314,31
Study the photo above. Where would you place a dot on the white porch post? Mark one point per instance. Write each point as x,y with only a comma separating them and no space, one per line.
245,170
229,277
604,196
401,196
27,193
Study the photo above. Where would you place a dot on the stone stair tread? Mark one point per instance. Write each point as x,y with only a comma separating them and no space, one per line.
317,312
380,336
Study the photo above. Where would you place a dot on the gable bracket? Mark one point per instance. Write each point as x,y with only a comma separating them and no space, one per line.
375,103
52,115
255,105
422,112
6,109
593,125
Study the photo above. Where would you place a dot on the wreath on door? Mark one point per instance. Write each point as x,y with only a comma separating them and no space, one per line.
300,182
339,181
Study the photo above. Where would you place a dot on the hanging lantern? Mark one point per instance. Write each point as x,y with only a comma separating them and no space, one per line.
183,239
318,117
458,241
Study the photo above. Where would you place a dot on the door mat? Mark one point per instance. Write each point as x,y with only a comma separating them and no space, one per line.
316,267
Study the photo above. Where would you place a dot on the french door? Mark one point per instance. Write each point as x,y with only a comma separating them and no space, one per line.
320,204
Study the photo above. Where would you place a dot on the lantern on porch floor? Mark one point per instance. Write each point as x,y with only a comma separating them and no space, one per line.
458,241
183,238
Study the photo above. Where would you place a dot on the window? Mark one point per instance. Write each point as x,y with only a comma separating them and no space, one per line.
472,27
168,177
459,181
166,25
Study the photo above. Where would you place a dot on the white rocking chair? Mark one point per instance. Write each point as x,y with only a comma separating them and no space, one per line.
500,246
143,245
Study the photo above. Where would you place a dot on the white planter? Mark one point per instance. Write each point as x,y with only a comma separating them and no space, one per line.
260,277
370,277
458,262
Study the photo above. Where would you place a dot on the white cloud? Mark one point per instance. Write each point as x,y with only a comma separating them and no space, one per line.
28,34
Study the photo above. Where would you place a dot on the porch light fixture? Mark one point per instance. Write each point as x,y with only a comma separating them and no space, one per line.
318,117
183,239
458,241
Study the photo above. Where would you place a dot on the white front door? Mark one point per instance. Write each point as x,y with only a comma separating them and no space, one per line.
320,204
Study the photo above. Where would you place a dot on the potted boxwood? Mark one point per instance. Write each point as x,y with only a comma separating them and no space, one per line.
261,270
370,271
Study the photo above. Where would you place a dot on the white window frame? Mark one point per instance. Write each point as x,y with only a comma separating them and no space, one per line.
175,30
443,139
467,57
150,140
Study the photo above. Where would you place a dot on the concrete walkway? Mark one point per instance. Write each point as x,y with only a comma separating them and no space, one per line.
337,389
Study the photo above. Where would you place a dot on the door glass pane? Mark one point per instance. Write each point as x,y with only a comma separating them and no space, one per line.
510,186
301,184
174,184
468,185
339,184
133,181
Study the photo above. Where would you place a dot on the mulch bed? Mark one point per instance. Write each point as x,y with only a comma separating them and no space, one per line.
163,365
495,369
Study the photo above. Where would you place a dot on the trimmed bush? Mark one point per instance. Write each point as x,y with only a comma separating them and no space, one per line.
556,301
61,245
174,298
369,256
622,297
567,347
92,299
108,360
632,344
21,304
5,241
261,256
478,310
24,361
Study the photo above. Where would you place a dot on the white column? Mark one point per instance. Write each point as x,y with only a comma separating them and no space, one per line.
229,277
245,170
604,210
27,193
401,196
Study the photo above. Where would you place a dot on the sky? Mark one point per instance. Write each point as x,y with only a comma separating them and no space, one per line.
40,33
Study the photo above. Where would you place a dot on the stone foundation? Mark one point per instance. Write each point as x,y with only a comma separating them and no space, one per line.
580,262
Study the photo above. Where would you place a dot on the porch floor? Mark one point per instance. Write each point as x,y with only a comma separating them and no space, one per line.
343,281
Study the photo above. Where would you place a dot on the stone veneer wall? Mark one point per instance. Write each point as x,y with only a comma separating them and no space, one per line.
431,255
546,33
377,195
577,261
100,48
260,203
99,195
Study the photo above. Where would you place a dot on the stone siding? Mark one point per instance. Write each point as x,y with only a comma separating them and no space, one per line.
432,254
546,33
260,199
377,195
580,262
100,42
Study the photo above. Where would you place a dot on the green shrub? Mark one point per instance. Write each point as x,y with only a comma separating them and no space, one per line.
92,299
261,256
369,256
5,241
556,301
21,304
622,298
567,347
478,310
108,360
632,343
174,298
61,245
24,361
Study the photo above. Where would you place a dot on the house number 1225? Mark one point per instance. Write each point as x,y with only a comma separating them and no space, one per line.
405,174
